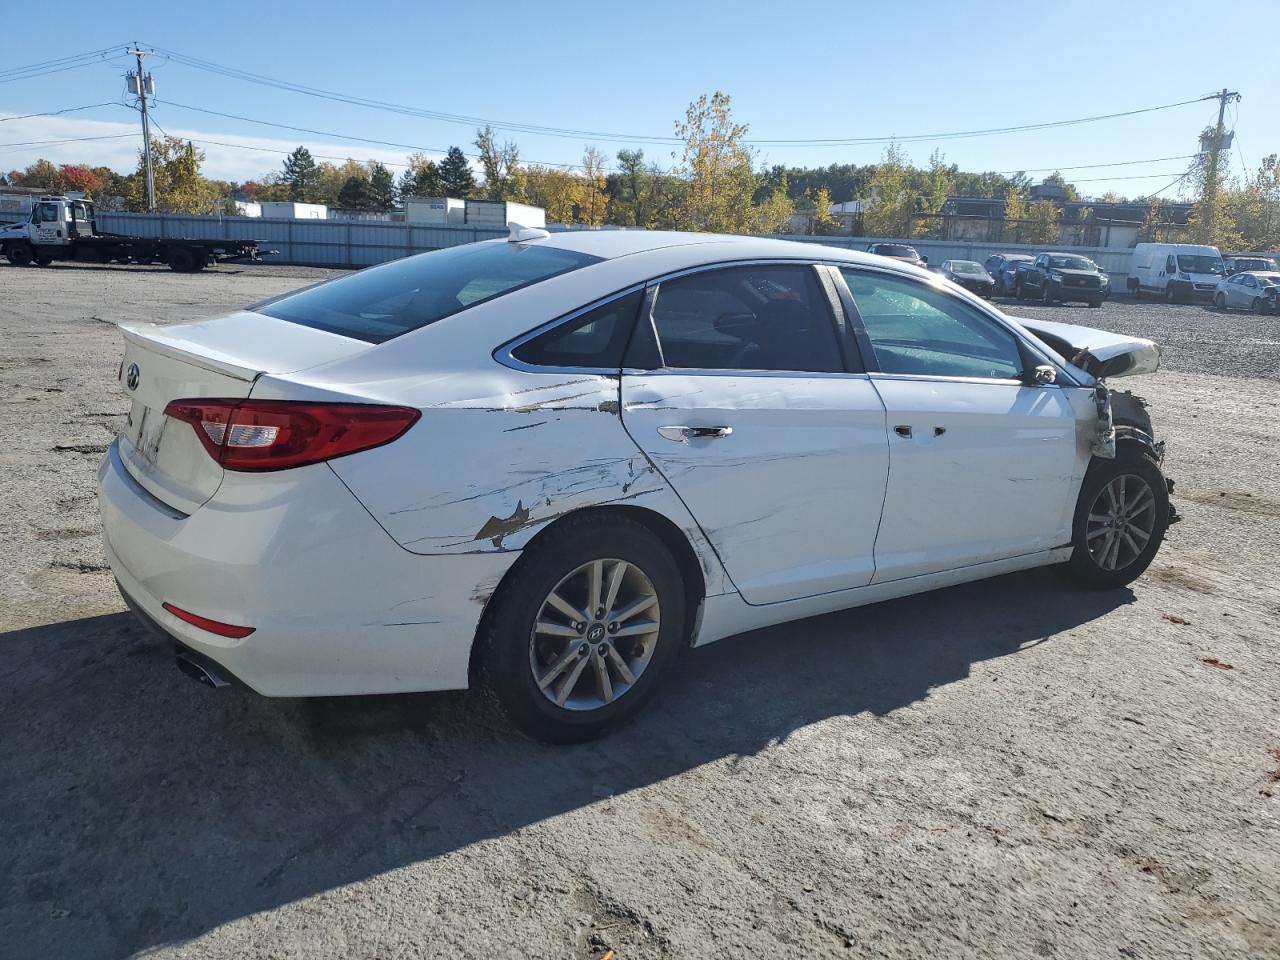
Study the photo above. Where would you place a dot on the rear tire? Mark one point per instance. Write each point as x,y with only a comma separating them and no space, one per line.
1095,304
526,668
1122,501
182,261
20,254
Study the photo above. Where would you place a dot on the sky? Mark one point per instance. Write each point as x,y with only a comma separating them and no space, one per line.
817,70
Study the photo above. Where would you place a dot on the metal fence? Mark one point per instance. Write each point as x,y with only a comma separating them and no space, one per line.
320,243
342,243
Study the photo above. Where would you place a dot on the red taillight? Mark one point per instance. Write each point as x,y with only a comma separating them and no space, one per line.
278,434
213,626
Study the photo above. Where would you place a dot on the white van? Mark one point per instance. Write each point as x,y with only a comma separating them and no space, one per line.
1175,271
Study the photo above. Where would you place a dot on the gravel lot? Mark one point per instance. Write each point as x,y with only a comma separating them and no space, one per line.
1012,768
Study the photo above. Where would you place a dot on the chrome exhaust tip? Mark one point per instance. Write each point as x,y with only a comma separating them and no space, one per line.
204,672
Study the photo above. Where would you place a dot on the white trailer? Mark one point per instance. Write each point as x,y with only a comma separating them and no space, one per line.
499,213
436,211
289,210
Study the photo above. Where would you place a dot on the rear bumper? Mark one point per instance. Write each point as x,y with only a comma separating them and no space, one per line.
336,605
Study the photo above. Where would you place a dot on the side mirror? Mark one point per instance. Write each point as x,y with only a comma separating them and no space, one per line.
925,261
1042,375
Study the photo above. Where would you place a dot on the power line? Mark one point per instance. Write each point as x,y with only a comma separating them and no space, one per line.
55,113
74,62
538,129
39,143
1091,166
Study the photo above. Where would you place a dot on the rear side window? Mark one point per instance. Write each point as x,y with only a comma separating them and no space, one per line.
595,339
747,318
386,301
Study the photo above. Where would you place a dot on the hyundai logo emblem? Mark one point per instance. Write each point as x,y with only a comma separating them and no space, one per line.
131,379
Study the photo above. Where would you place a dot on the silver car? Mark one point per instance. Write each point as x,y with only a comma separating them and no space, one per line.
1255,291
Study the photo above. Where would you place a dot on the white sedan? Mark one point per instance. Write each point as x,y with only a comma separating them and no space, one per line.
1255,291
547,464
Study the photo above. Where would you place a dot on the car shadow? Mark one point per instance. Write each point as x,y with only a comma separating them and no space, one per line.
143,809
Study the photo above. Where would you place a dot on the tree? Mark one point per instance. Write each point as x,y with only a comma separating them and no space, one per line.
382,187
891,202
356,194
1080,227
1211,220
1257,208
773,214
1042,225
629,202
41,175
301,175
824,222
939,183
80,178
503,179
421,179
594,199
557,191
1153,229
179,186
456,177
717,167
1015,212
1069,192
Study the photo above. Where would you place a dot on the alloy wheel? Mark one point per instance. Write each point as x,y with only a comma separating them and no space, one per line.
1121,522
595,634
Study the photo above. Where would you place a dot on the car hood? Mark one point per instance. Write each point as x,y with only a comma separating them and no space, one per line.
1097,352
1075,273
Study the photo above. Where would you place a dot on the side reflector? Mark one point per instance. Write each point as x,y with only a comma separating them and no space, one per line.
213,626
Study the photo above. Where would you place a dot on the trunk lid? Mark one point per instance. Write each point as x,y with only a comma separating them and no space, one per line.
209,358
1097,352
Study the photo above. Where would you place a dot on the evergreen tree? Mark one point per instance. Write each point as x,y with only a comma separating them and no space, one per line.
381,187
406,186
301,176
456,177
356,194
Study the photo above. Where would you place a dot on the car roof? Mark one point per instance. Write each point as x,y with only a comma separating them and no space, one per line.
694,249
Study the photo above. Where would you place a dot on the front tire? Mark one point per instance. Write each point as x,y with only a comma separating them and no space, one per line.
583,629
1219,300
1170,294
1046,293
1257,306
1121,517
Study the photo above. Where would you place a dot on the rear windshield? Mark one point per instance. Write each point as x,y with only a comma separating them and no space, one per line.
383,302
895,250
966,266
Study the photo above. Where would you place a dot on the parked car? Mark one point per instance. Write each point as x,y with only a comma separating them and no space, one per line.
1176,271
1003,267
898,251
1061,277
1253,291
970,275
1233,265
547,464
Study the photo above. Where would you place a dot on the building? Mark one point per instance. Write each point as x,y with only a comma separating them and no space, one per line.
289,210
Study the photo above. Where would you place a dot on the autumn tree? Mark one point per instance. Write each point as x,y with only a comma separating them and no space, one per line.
556,190
1015,212
773,214
824,221
301,176
1257,207
80,178
1042,222
717,168
421,179
456,176
1211,220
891,201
179,186
939,184
1153,229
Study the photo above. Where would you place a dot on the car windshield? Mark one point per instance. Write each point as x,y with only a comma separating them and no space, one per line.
1072,263
896,250
384,302
1199,263
1259,264
966,266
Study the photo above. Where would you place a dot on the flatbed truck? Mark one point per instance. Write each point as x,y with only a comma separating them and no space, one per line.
62,228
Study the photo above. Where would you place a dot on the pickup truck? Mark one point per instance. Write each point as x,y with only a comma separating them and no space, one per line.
1061,277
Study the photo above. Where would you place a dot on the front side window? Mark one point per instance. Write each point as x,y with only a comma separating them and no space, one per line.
916,329
595,339
46,213
747,318
382,302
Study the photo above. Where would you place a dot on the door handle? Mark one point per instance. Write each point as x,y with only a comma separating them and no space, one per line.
685,434
903,431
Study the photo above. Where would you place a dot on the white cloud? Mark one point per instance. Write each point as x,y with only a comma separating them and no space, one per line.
222,162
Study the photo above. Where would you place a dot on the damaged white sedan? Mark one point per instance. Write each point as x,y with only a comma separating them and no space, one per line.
547,464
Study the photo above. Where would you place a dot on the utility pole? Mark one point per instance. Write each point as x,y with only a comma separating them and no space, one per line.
1210,195
141,84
